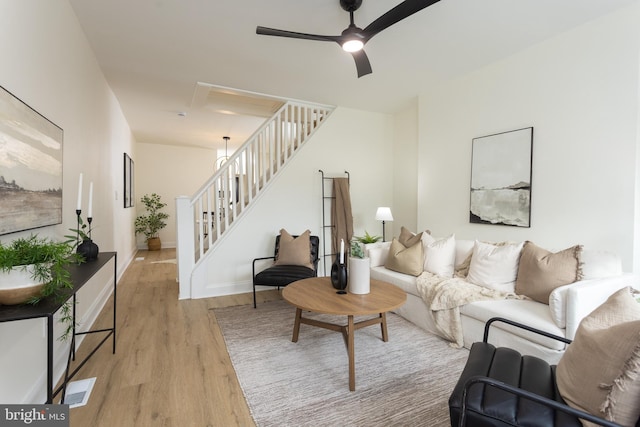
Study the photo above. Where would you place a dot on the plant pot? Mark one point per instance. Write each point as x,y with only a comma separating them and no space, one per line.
88,250
359,276
154,244
17,286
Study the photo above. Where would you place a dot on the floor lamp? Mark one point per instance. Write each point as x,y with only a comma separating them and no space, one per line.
384,214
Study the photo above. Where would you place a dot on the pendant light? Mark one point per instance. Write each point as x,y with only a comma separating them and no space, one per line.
223,159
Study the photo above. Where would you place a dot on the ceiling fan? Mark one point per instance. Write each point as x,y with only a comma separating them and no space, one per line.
354,38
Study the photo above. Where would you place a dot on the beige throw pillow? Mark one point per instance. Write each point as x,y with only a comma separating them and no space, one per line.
600,371
408,238
541,271
294,251
405,260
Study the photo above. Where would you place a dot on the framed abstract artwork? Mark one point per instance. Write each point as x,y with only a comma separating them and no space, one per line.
129,197
501,178
30,167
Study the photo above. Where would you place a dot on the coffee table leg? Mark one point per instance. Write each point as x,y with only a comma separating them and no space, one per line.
296,325
383,325
351,351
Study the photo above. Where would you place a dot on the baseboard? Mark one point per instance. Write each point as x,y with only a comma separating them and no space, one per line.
222,289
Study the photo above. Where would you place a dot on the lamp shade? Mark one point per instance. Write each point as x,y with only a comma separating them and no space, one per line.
384,214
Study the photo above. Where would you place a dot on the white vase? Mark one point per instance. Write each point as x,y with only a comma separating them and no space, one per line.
359,276
17,286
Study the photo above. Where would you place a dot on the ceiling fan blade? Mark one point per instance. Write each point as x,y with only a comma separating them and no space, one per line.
363,66
293,35
398,13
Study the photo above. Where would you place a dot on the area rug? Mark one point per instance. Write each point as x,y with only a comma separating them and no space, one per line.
403,382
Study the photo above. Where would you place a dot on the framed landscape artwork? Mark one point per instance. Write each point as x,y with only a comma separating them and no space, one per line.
30,167
501,178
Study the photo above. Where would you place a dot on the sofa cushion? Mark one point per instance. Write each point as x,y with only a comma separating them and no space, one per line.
439,257
529,312
404,281
600,371
294,251
495,266
407,260
541,271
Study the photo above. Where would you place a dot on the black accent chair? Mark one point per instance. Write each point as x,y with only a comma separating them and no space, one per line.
282,275
499,387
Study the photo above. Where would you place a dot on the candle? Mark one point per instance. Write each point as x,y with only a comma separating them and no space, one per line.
79,206
341,251
90,200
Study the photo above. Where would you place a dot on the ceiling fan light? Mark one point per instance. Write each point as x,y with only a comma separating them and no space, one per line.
352,45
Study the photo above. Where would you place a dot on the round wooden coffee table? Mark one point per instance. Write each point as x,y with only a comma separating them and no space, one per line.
319,296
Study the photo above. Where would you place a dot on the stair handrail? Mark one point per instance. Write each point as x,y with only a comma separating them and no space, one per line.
269,139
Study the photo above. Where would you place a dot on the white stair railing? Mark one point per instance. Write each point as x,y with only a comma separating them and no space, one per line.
204,218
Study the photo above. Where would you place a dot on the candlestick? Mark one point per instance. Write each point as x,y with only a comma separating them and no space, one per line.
78,212
89,211
79,205
341,251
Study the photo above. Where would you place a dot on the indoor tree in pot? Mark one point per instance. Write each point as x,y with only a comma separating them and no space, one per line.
154,221
33,268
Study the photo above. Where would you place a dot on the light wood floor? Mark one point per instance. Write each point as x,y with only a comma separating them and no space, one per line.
171,366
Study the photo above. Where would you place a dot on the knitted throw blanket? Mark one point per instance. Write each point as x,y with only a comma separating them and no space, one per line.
445,296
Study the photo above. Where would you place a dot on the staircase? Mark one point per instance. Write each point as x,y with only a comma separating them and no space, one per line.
204,219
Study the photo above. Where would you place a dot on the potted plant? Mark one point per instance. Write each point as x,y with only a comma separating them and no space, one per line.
82,242
359,275
367,238
33,268
154,221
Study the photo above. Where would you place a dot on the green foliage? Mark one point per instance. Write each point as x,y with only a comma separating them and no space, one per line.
356,249
154,221
48,260
82,232
367,238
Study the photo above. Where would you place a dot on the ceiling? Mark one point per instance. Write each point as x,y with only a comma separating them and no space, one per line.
179,67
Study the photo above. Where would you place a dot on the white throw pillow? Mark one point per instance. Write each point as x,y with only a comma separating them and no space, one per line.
440,255
378,253
495,267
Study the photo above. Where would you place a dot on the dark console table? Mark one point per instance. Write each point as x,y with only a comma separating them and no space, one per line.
80,275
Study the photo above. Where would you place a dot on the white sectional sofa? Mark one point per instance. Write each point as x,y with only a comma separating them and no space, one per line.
601,276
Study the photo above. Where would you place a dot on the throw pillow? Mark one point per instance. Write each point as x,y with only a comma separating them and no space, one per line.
408,238
495,267
600,371
440,256
294,251
541,271
405,260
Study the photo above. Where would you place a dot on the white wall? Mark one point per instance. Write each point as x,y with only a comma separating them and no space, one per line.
47,62
169,171
350,140
405,171
579,91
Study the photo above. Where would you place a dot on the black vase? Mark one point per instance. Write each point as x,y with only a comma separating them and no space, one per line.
88,250
339,275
